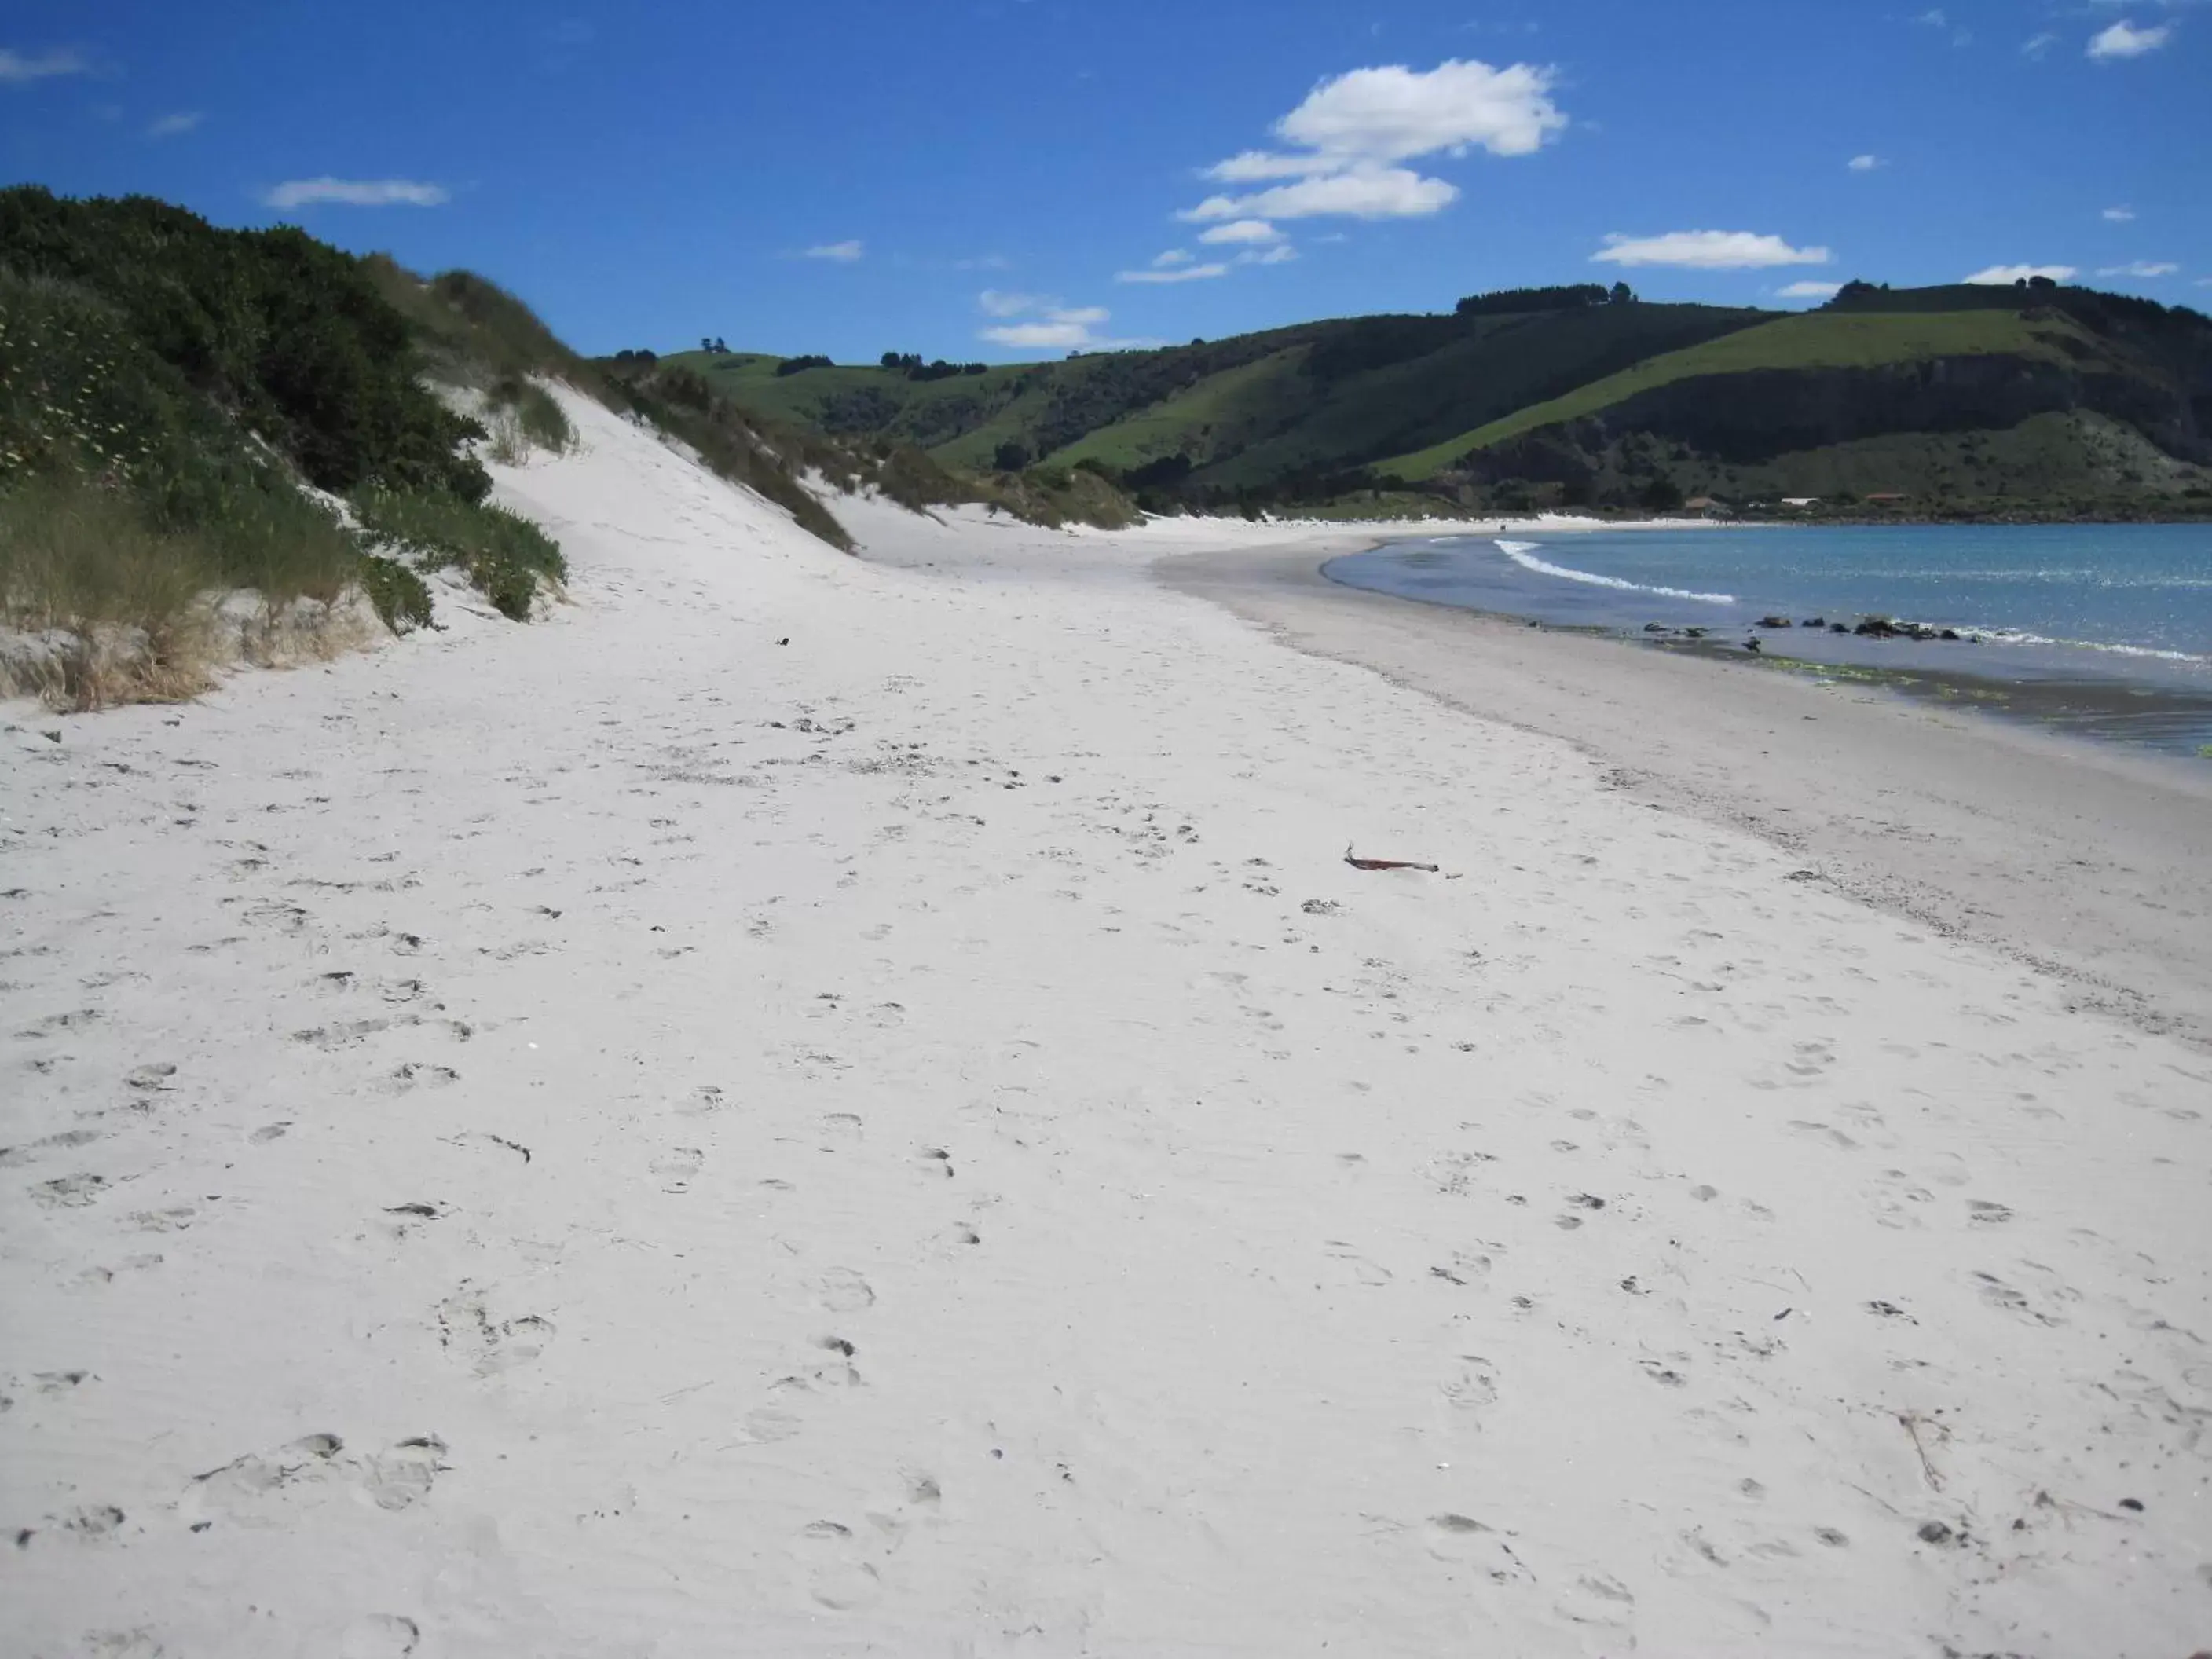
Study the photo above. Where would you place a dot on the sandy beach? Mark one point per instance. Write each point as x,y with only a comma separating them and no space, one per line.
844,1106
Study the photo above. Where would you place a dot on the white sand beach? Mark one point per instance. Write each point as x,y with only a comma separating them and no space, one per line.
811,1105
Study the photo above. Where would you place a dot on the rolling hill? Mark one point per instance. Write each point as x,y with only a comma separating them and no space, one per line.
1953,400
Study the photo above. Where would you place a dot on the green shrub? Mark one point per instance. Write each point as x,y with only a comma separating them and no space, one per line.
503,554
399,595
289,333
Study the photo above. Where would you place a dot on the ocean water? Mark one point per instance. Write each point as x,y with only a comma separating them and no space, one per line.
2105,628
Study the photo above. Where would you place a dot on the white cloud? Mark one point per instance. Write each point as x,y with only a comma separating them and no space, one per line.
1863,163
2144,268
2036,45
1055,325
2003,275
2120,216
1243,230
1173,274
1395,113
1345,139
169,126
843,253
2125,40
1035,336
1253,165
1281,254
354,192
1173,256
1709,249
17,69
1364,192
1810,290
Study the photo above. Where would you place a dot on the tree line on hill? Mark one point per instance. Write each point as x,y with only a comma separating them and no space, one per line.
1572,296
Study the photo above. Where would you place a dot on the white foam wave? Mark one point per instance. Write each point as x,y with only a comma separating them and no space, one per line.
1524,555
2020,636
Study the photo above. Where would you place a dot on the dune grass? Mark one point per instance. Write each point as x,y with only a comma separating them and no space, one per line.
503,554
123,602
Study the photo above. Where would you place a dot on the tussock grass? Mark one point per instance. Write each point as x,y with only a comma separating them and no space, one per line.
121,605
503,554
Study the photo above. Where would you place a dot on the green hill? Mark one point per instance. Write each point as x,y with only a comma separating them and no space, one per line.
1953,400
1951,396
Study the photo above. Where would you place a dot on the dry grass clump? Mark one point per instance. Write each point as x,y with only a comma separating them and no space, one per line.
113,610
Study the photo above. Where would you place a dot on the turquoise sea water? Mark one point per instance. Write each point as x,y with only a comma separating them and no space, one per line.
2107,627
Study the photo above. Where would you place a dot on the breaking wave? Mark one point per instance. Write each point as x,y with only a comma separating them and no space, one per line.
1524,555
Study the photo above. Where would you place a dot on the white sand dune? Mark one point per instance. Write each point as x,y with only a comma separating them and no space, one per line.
624,1137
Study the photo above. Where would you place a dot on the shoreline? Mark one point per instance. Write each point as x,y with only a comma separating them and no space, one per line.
2044,691
1982,827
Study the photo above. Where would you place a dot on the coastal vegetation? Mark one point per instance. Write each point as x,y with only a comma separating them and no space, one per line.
189,414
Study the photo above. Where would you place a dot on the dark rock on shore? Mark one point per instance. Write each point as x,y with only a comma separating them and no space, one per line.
1776,622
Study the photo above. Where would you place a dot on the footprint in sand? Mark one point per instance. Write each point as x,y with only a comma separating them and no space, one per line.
676,1167
379,1636
1826,1134
1597,1599
467,1327
841,1289
702,1102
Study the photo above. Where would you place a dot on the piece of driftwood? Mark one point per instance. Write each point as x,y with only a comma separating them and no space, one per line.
1384,864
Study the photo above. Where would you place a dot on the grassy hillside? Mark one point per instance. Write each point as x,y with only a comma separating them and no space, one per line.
1583,396
1823,340
1242,413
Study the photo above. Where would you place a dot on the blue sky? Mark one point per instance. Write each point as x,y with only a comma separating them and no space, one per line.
1008,179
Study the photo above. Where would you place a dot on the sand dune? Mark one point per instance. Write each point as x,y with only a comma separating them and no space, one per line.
625,1137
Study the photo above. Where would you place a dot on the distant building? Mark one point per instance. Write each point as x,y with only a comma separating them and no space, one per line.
1801,501
1886,501
1712,506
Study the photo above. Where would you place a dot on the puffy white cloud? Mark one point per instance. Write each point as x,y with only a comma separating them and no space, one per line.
1393,113
1810,291
1243,230
354,192
1364,192
2036,45
1344,140
2144,268
2124,40
1708,250
169,126
2120,216
1173,274
842,252
1863,163
1173,256
19,69
996,304
2004,275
